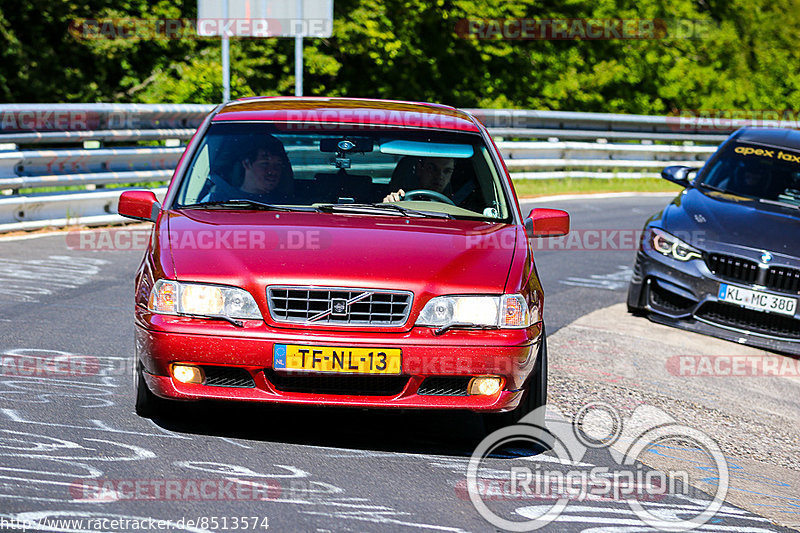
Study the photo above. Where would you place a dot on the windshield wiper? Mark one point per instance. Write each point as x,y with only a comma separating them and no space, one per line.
244,203
409,212
460,325
369,208
713,188
237,323
778,202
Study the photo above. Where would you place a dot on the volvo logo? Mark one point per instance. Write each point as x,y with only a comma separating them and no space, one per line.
338,306
766,257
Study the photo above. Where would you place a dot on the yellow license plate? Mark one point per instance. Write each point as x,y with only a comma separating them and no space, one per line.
337,359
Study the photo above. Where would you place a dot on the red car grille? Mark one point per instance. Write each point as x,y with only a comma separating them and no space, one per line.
338,384
322,305
445,386
224,376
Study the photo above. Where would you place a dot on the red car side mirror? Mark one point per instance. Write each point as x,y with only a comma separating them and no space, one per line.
139,205
544,222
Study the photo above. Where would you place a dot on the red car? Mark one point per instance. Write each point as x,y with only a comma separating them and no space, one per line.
342,252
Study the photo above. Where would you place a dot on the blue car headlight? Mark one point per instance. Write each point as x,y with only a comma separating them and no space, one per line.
671,246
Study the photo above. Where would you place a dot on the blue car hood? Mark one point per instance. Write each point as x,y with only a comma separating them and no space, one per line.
707,217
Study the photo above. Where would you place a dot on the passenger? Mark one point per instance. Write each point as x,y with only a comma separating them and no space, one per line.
262,173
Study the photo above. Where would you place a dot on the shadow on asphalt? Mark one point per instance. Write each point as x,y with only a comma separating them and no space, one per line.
455,433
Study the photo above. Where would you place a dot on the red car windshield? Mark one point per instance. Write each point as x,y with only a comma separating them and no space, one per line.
293,165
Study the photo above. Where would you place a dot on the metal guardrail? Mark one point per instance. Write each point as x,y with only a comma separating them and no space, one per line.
29,212
605,135
63,137
92,146
606,124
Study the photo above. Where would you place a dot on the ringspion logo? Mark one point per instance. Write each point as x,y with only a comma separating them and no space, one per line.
547,488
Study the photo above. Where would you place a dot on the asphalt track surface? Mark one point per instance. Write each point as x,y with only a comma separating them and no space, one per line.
241,468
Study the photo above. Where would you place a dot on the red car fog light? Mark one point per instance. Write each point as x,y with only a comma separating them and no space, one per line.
485,385
188,374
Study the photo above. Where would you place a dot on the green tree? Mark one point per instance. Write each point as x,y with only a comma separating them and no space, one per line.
416,50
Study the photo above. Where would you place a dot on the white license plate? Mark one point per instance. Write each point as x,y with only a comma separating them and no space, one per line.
760,301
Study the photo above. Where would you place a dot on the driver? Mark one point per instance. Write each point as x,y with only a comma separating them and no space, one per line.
430,173
750,182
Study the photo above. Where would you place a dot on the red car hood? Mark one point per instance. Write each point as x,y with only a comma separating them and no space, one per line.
255,249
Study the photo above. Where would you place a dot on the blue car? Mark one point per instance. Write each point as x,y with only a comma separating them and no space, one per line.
723,258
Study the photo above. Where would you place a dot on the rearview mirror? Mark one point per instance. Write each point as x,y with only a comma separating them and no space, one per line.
346,145
544,222
678,174
139,205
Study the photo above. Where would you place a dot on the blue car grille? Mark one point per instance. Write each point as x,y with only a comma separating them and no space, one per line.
669,301
782,279
733,268
748,320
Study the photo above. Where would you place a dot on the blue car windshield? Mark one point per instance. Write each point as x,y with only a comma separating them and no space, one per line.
755,171
292,165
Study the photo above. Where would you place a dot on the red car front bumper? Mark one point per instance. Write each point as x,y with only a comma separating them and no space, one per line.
163,340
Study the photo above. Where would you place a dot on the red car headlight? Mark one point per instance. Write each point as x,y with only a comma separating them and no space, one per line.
177,298
507,311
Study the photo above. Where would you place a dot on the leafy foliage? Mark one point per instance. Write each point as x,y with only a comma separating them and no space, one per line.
741,56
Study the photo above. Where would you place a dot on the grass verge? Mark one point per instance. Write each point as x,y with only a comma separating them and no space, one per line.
533,188
524,188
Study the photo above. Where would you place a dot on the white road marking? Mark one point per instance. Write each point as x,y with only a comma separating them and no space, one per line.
97,425
379,518
239,444
610,282
29,280
237,470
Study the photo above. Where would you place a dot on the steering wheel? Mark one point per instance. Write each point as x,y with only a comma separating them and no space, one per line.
427,194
